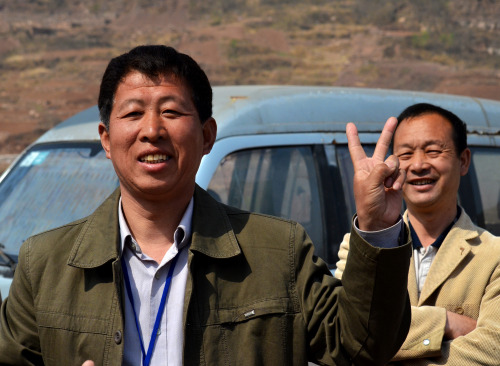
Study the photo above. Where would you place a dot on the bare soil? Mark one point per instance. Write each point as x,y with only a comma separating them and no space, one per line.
53,52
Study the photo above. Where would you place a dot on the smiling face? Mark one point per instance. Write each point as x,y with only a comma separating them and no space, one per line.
155,138
425,148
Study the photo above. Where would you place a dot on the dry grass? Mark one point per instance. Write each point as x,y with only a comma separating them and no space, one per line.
54,51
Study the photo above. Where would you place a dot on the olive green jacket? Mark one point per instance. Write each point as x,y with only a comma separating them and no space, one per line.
256,295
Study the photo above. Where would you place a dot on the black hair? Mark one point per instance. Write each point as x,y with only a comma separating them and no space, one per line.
459,126
155,61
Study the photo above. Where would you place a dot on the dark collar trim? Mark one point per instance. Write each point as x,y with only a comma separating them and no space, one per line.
437,244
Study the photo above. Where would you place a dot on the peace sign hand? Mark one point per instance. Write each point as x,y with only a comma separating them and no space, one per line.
377,183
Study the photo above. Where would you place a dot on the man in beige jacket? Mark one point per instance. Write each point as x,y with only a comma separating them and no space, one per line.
454,276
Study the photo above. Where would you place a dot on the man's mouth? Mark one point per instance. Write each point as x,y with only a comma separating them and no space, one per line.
154,158
421,182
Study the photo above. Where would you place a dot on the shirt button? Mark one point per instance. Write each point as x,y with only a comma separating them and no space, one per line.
459,310
157,275
426,342
118,337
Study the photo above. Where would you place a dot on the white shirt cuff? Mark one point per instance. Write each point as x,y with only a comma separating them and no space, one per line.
386,238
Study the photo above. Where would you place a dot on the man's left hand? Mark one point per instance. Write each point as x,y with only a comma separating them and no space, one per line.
377,181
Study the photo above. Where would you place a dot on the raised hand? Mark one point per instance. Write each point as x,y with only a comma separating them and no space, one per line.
377,182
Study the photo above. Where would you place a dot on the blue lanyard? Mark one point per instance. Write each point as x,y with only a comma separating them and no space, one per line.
146,357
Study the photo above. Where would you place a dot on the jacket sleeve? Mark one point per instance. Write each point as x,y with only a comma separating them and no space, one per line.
479,347
426,333
363,320
19,343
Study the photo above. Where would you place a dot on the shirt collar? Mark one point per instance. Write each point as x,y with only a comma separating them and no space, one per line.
437,244
182,235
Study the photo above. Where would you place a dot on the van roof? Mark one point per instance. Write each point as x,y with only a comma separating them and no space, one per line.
260,109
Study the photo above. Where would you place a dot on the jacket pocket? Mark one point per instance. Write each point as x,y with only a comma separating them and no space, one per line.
254,334
72,322
260,308
84,335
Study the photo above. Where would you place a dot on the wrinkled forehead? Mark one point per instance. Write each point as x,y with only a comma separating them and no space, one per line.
134,80
153,79
433,122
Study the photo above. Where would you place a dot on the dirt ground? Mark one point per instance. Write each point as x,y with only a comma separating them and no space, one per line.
51,64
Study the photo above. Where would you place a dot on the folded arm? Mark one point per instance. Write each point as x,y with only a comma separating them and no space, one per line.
476,347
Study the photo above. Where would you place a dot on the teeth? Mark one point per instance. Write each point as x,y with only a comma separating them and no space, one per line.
422,182
154,158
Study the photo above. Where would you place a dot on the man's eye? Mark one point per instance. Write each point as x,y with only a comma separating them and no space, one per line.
405,156
171,113
433,152
133,114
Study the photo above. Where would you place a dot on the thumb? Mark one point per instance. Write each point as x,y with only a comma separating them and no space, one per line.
391,172
88,363
382,174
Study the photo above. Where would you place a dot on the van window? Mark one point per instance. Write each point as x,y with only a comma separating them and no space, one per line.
308,184
50,186
278,181
341,158
486,187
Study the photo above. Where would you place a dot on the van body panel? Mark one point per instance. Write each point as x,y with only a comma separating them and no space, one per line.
254,110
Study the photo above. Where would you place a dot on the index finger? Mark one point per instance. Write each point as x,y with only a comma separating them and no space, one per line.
384,141
354,144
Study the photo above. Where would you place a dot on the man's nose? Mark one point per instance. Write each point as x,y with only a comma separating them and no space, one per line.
153,128
418,161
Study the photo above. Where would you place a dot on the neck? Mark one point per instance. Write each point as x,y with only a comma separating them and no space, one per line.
429,224
153,223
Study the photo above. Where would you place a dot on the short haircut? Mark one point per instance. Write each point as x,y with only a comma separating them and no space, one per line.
459,126
155,61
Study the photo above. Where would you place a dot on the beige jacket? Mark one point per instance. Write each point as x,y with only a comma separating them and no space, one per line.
464,278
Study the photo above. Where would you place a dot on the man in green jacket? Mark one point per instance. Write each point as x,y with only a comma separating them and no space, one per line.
161,273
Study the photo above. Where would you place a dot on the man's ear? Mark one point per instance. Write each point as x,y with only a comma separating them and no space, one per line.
209,135
465,157
104,134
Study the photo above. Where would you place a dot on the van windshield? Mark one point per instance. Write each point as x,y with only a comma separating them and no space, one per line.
50,186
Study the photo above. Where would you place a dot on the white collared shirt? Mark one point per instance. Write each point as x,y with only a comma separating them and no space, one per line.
147,280
423,258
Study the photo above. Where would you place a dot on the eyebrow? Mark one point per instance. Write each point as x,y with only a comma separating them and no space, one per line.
130,101
428,143
163,99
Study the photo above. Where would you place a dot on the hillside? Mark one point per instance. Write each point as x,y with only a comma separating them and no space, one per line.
53,52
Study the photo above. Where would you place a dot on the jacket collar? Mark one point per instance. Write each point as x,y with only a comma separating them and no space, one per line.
213,234
453,250
99,239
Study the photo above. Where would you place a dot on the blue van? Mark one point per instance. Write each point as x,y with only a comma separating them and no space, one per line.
280,150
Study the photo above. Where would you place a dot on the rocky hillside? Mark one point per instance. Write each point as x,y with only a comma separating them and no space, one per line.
53,52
